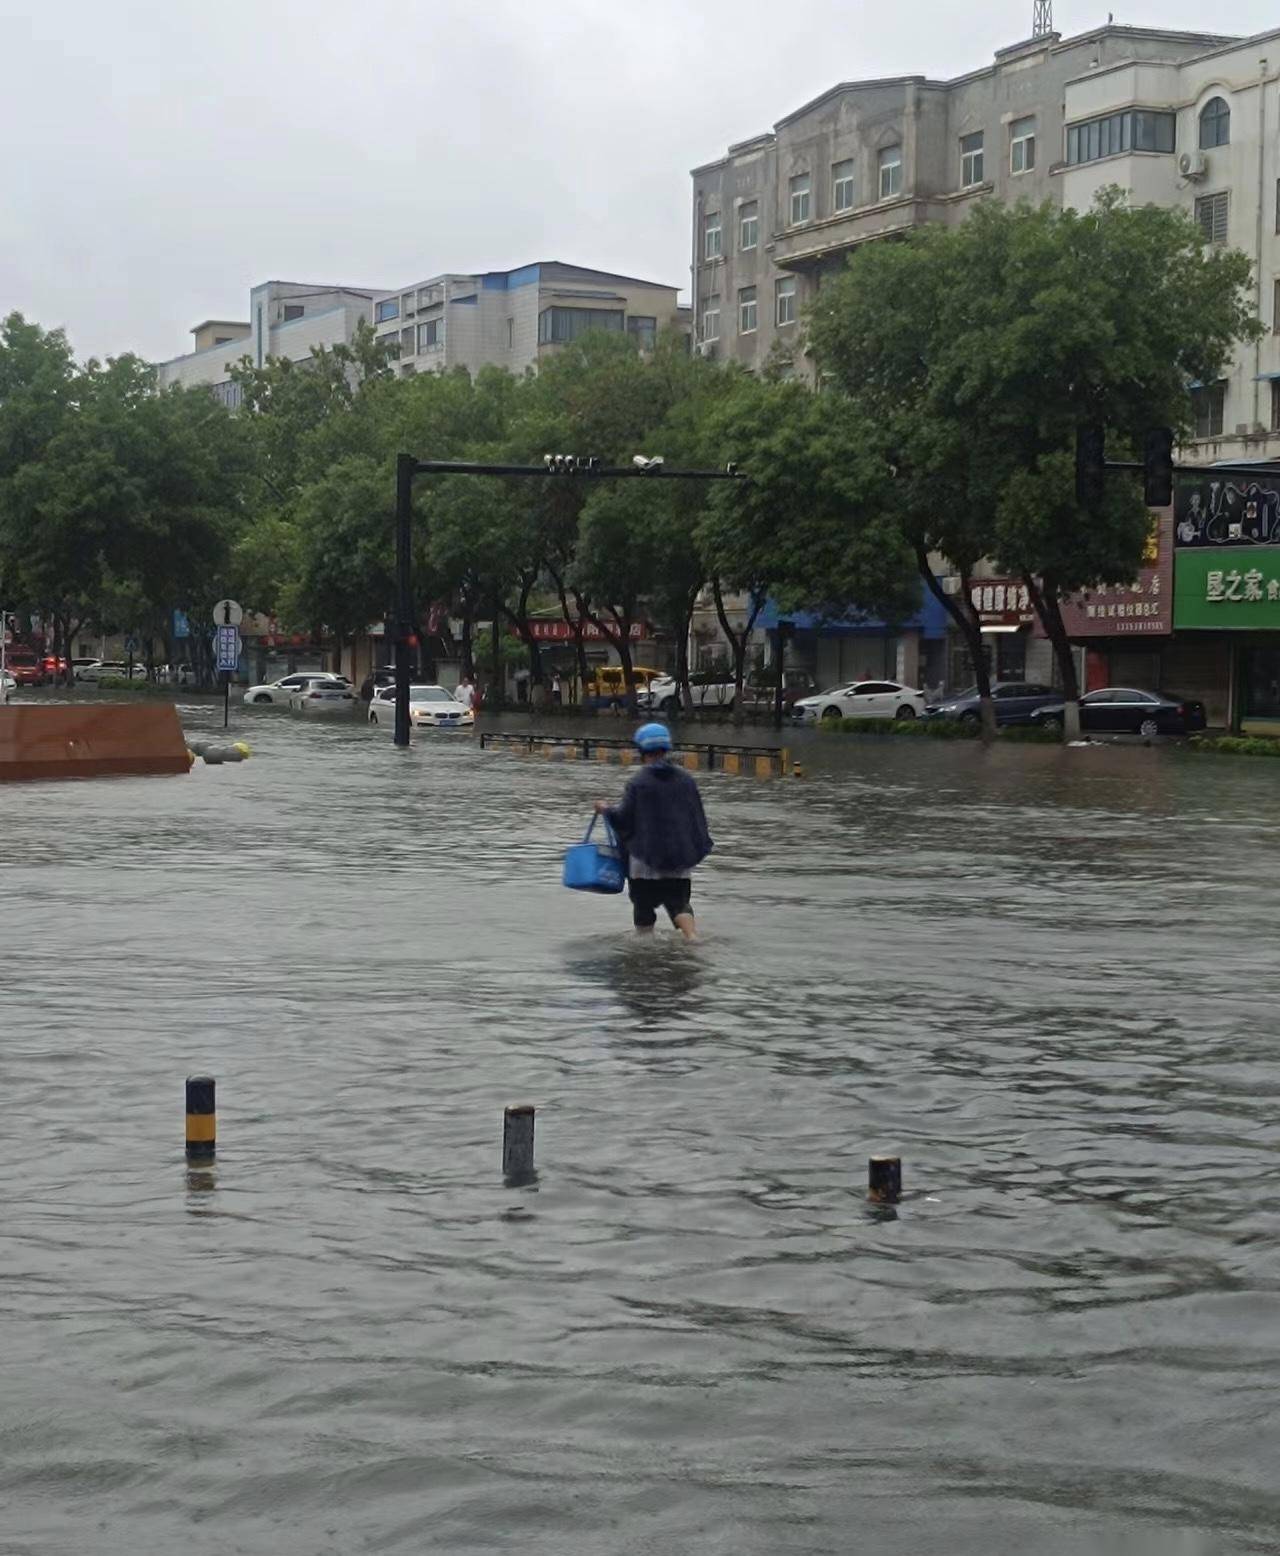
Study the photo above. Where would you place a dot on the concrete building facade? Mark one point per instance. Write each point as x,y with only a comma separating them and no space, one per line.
870,159
513,318
286,319
1202,134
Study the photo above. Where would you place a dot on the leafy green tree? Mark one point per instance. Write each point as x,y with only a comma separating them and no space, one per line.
996,339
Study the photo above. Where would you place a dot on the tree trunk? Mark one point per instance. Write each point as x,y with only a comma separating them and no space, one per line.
519,619
683,689
738,643
1044,596
499,690
575,622
966,619
468,643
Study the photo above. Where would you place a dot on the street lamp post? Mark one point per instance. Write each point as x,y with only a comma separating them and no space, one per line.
571,466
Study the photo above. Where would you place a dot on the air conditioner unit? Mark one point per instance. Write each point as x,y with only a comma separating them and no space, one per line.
1193,164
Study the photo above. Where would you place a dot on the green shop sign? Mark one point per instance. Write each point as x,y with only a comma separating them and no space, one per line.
1236,590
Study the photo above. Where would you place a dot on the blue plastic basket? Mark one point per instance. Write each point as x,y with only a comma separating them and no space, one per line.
592,866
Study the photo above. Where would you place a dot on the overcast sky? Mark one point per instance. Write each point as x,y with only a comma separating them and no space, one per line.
161,156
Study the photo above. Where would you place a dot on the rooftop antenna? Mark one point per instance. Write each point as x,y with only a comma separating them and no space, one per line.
1041,18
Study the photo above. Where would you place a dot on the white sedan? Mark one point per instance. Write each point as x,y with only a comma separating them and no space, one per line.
322,696
863,700
431,707
280,691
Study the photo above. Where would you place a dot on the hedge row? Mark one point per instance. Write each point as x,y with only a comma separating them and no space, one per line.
938,729
1235,745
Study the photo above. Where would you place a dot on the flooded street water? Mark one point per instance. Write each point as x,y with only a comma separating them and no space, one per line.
1046,978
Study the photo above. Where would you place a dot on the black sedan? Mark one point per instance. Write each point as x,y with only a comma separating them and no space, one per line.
1123,710
1014,702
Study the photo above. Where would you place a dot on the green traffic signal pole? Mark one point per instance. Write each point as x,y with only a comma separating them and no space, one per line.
553,466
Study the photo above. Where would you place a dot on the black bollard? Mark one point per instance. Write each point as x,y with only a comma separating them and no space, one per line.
517,1146
884,1179
202,1123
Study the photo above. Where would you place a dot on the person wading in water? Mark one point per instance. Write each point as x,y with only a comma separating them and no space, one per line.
661,824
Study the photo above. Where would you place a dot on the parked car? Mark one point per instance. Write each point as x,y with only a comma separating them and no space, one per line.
1014,701
1126,710
110,669
54,666
322,696
708,689
760,692
863,700
7,685
80,665
432,707
281,690
607,687
24,665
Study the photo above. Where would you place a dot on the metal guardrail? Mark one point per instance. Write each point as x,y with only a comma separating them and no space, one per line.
756,761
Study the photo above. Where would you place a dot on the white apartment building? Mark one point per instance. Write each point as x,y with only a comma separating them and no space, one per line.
286,319
511,318
1204,134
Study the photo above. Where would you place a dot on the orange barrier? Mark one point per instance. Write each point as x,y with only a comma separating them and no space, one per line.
91,741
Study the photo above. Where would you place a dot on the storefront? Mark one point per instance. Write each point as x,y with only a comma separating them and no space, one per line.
1229,600
837,650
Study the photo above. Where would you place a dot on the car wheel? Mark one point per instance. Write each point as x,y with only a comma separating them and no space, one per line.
373,717
905,712
832,713
1053,721
970,717
262,697
1148,727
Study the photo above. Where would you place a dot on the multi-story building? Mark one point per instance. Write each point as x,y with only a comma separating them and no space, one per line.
870,159
286,319
511,318
1203,134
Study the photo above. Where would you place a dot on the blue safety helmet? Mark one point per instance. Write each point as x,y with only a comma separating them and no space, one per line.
653,737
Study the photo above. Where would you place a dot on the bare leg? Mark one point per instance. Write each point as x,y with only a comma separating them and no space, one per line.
685,924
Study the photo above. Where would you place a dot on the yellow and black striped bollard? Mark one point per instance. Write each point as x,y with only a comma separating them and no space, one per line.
202,1120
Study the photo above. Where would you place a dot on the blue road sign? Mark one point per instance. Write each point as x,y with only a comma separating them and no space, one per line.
228,646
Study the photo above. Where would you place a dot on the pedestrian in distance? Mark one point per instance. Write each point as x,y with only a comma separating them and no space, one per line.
465,692
557,690
662,826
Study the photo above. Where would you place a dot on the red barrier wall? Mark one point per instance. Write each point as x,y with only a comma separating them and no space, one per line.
91,740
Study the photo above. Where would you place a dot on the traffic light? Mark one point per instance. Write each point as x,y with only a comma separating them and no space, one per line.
1157,468
1090,456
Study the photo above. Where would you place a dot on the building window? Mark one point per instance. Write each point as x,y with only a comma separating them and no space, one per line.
746,310
842,186
1215,124
431,335
711,236
558,326
391,343
1275,307
1211,213
293,311
785,297
890,172
1137,129
711,317
1278,204
511,334
971,160
801,196
389,308
748,225
644,331
1275,405
1208,402
1022,145
406,342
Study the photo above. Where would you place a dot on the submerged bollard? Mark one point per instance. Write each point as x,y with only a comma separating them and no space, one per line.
884,1179
797,771
517,1145
202,1122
